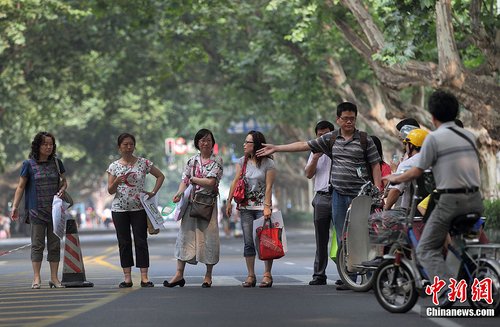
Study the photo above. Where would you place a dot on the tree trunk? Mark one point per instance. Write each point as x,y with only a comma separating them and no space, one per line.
480,95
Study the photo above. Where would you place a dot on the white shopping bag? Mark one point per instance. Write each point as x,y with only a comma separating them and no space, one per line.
180,207
277,221
151,207
59,216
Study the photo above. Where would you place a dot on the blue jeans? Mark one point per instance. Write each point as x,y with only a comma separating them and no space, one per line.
247,217
340,204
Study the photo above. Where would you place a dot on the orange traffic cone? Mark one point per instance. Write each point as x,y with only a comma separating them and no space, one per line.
73,270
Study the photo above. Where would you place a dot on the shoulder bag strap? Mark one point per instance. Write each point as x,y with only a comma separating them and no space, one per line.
333,138
192,175
57,165
59,172
462,135
244,168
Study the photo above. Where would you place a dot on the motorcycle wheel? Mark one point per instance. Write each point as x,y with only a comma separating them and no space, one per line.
363,281
486,270
394,287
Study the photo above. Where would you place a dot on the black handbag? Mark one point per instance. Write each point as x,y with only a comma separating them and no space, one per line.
65,196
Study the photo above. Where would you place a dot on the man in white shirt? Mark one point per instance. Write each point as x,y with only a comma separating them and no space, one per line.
318,166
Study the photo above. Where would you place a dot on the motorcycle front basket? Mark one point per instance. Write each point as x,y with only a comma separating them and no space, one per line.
387,227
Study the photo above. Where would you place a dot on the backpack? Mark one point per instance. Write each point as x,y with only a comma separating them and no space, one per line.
363,140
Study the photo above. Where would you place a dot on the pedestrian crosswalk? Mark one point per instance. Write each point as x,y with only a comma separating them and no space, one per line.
112,282
43,307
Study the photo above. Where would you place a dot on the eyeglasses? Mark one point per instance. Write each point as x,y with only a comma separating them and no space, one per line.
246,142
346,119
205,141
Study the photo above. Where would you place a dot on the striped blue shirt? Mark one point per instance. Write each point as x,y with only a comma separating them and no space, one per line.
347,156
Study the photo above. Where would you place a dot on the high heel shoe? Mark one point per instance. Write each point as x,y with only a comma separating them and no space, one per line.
180,282
54,285
267,284
35,286
250,284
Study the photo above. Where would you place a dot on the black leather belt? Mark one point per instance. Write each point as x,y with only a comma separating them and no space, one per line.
323,193
458,190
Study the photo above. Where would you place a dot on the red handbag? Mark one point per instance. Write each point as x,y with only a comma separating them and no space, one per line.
270,244
239,190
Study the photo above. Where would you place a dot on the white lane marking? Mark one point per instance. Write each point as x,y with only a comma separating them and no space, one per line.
289,263
225,280
302,278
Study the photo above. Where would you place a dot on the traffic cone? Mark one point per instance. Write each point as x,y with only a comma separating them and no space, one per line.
73,270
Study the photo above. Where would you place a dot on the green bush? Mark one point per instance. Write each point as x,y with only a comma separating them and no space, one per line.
492,214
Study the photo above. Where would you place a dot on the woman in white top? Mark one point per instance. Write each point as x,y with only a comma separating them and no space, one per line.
259,177
126,177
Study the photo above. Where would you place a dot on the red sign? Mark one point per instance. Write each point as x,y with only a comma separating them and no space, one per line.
169,146
178,146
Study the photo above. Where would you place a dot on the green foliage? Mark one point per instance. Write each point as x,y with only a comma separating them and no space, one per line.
473,57
492,214
408,28
89,70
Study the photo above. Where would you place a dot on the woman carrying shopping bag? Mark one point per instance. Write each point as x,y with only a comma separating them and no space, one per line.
40,180
257,176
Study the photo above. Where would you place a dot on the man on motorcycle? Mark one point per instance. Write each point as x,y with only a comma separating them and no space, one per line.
452,154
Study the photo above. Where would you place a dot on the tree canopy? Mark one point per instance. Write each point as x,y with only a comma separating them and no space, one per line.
88,70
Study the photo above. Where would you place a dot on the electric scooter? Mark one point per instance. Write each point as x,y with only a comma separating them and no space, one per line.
355,246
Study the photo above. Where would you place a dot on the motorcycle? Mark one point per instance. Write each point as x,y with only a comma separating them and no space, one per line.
355,247
400,279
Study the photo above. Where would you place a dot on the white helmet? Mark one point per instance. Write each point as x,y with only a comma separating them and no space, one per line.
403,133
